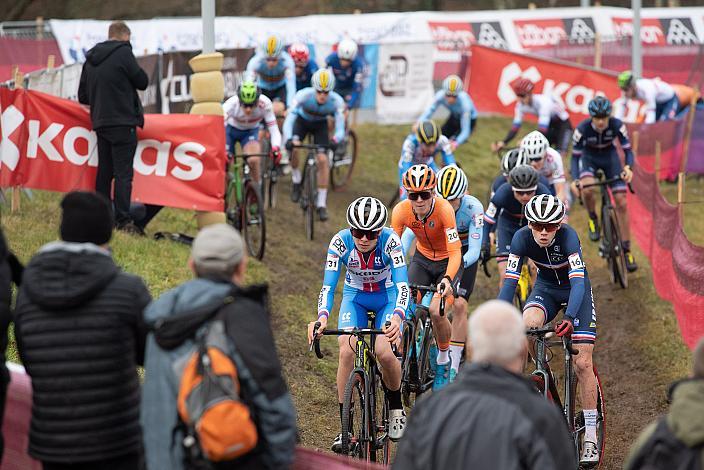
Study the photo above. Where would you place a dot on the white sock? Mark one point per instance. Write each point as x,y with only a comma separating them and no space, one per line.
590,425
322,197
443,356
296,176
456,349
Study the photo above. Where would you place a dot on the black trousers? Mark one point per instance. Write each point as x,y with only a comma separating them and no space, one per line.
125,462
116,147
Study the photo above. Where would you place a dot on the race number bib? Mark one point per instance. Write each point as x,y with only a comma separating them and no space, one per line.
452,235
478,220
491,210
397,259
332,262
575,261
512,263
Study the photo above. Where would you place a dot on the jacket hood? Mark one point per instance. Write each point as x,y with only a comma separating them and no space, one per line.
103,50
686,416
64,275
189,295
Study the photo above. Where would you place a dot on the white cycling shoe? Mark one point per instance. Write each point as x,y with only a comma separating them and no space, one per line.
590,455
397,423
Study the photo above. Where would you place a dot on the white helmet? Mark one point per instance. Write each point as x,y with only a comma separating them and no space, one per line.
323,80
452,183
452,85
347,49
545,209
535,145
367,213
511,159
272,46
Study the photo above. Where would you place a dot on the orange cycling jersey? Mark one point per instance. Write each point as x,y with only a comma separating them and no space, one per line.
436,234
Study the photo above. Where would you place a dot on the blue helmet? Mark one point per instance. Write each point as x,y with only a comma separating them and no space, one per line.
600,106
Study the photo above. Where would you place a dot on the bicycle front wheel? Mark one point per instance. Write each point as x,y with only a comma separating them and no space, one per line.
253,220
343,161
381,451
355,435
617,257
266,165
310,194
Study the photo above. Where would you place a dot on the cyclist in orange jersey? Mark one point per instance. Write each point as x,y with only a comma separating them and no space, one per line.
438,257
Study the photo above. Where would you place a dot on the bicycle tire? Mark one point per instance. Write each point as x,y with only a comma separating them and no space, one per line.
600,423
619,256
232,207
381,451
254,220
355,439
308,198
409,365
265,172
341,168
425,372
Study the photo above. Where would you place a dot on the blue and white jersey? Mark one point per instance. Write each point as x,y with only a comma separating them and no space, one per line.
560,265
412,153
463,109
348,81
380,270
272,78
303,79
588,140
307,107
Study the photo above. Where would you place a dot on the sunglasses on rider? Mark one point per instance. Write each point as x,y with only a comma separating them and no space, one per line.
322,92
424,195
538,227
272,59
370,234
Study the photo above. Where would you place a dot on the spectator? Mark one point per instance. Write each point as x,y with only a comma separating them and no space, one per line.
676,440
490,417
109,82
219,263
80,334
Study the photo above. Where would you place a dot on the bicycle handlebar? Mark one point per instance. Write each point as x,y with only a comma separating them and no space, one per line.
354,332
603,183
486,260
432,288
546,330
249,155
291,146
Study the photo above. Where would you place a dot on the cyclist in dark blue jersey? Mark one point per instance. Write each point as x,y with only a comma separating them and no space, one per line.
562,282
348,69
305,67
509,161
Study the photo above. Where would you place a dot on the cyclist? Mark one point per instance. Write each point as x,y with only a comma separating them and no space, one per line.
505,212
308,115
661,102
553,120
276,73
438,256
511,159
593,149
562,281
422,147
548,162
305,68
244,113
463,114
348,70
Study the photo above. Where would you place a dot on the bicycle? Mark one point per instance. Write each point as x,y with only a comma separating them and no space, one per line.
270,175
309,184
546,384
342,161
365,399
525,282
243,206
610,246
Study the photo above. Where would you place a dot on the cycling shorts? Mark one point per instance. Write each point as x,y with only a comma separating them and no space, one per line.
318,129
276,94
355,305
504,234
453,126
241,136
551,300
667,110
346,94
469,275
423,271
560,134
608,162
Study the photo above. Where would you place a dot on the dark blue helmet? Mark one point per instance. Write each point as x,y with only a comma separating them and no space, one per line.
600,106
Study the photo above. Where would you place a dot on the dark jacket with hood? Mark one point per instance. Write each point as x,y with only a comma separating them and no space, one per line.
488,418
80,334
109,82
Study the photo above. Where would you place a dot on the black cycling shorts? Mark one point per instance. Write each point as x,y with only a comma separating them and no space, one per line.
277,94
452,127
469,275
424,271
318,129
560,134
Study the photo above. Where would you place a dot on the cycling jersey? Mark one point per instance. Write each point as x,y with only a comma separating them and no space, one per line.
263,111
412,154
436,234
596,148
380,274
305,106
655,94
303,78
463,109
271,78
552,169
348,80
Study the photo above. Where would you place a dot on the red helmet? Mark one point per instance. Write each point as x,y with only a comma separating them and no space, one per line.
299,53
522,86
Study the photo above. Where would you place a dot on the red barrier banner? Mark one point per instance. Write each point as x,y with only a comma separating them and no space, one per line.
47,143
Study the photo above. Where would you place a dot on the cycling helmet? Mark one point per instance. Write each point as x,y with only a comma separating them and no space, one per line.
299,53
522,86
625,79
323,80
512,159
272,46
523,178
428,133
452,183
534,145
452,85
419,178
347,49
545,209
600,107
367,213
248,92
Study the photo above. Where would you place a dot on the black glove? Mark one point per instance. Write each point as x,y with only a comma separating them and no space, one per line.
289,145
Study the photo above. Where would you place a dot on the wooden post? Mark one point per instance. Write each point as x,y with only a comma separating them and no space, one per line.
597,50
634,142
50,61
16,190
680,196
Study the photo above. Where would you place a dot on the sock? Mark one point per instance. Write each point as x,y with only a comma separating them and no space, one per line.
443,356
296,176
322,197
394,397
456,350
590,425
626,244
592,215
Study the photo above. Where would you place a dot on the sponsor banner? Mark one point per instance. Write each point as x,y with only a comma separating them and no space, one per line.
47,143
27,54
549,32
370,54
659,31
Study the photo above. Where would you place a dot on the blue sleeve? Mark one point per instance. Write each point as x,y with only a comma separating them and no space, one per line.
329,60
288,122
448,158
253,64
358,71
407,238
339,117
513,268
399,273
490,217
622,133
577,150
576,275
290,80
476,233
336,257
433,106
465,119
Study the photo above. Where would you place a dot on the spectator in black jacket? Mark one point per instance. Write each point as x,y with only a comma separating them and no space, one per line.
490,417
109,82
80,334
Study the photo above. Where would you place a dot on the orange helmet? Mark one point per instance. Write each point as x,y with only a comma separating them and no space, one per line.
419,178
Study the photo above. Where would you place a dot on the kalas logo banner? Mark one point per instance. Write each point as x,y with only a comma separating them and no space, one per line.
48,143
533,34
665,31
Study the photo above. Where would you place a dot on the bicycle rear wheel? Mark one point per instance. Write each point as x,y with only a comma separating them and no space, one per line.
355,435
308,200
381,451
600,422
343,162
409,366
618,257
232,207
266,162
253,220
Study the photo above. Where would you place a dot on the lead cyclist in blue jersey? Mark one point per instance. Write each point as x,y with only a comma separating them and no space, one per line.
376,281
276,73
463,114
562,282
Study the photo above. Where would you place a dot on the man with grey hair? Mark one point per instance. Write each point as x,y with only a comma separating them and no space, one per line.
219,263
490,417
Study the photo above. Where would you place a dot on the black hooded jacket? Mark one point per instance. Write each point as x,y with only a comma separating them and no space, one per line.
109,82
80,334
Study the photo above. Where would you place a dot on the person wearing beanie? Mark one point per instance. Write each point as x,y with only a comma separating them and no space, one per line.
80,335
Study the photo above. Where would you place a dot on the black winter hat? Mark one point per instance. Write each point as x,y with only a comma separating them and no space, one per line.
86,218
